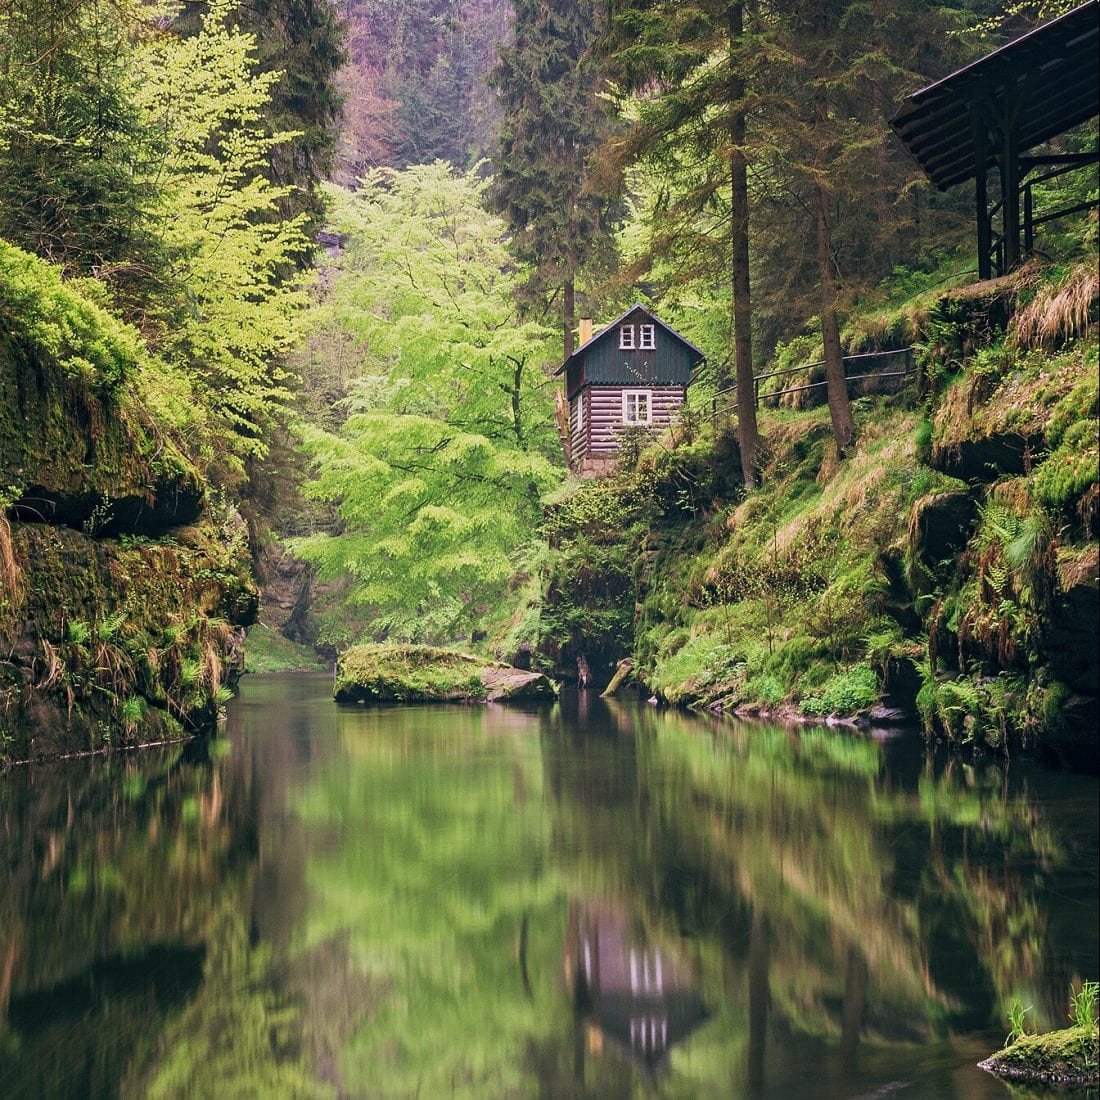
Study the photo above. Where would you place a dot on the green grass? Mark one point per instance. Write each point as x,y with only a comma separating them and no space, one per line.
265,650
1070,1056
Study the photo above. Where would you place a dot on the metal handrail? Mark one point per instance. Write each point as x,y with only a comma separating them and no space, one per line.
758,378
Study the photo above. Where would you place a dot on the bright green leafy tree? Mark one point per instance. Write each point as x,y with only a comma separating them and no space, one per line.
218,216
437,472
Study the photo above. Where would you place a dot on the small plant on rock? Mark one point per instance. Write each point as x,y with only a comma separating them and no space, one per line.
1083,1004
1017,1021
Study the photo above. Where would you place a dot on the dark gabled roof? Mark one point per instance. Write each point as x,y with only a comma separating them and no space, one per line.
608,328
1059,59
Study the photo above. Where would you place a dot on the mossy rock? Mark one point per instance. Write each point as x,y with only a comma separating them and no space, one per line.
106,642
1068,1057
940,524
1009,410
426,674
1071,637
85,454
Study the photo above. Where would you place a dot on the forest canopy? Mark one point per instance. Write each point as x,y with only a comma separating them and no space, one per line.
504,169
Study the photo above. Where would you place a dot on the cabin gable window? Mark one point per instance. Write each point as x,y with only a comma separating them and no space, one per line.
647,337
637,407
626,338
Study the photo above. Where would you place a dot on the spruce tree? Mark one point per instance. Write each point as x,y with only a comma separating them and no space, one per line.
71,138
553,118
700,59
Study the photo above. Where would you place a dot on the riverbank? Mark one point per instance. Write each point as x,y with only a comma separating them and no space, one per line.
125,579
947,569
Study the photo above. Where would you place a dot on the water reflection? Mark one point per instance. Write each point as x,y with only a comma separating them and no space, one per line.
634,993
365,903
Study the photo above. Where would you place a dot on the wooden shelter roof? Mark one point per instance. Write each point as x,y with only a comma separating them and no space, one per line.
1052,73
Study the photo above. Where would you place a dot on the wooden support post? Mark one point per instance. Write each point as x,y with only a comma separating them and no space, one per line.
981,194
1029,225
1010,181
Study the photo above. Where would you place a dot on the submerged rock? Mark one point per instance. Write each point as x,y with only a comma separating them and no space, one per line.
427,674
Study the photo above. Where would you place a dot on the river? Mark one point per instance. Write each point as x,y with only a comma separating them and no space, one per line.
585,900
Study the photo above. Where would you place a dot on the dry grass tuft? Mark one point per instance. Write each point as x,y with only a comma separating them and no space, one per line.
1088,508
1014,494
114,669
1059,313
211,668
53,670
11,576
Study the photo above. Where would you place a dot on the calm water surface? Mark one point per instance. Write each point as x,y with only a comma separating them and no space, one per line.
589,900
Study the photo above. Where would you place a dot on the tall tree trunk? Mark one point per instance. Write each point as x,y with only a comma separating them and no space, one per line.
885,195
748,436
569,284
836,386
759,998
568,310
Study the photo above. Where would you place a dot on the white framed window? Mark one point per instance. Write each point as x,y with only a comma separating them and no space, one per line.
579,402
637,407
626,338
647,337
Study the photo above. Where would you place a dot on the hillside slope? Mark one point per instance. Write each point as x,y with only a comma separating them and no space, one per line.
948,568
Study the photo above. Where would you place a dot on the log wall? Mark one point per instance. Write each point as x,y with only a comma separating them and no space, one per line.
596,417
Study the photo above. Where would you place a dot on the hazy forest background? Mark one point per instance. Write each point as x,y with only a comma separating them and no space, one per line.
486,173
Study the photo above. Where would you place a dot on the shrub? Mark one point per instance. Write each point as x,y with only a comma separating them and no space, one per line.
848,692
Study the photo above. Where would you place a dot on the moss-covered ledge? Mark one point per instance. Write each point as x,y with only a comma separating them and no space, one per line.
426,674
1068,1057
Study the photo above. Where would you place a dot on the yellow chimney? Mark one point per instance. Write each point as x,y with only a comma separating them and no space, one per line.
586,329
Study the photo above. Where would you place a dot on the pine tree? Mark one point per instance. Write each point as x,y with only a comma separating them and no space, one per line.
841,188
553,118
698,56
836,385
71,138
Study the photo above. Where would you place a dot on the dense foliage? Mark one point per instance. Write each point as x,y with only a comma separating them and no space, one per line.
448,442
143,158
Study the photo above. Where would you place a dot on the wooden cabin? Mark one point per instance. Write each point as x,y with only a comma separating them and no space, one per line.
632,374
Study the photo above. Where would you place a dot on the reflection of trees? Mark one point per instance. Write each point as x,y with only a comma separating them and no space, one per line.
237,1036
126,946
369,902
105,889
864,907
431,867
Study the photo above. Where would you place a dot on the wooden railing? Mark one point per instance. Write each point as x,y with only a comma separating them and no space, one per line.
910,368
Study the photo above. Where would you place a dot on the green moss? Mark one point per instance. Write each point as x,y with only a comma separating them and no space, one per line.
1070,1056
1071,470
100,420
421,673
266,650
81,336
